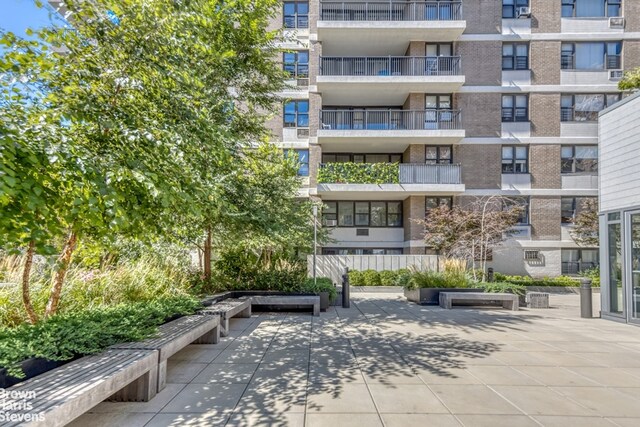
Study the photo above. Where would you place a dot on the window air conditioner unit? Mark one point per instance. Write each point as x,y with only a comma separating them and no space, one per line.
616,22
523,12
303,133
330,223
532,255
615,74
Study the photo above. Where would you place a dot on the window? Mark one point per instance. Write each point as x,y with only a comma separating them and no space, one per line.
296,114
302,157
515,108
523,203
575,261
296,64
439,49
361,158
515,159
509,7
581,108
438,154
571,207
362,214
591,56
590,8
296,14
579,159
435,202
515,56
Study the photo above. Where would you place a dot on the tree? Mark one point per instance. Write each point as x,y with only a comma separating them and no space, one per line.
122,126
630,80
471,232
587,223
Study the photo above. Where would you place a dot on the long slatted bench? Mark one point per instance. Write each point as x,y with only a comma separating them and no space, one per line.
227,309
57,397
509,301
296,301
176,335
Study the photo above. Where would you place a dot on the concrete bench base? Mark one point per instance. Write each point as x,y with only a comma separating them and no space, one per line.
227,309
312,301
176,335
65,393
509,301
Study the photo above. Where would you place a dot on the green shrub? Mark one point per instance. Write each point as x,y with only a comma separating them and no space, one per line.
371,278
427,279
594,275
388,277
502,287
402,277
356,278
359,173
321,284
565,281
64,336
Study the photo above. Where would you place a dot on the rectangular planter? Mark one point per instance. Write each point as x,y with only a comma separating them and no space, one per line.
431,296
324,301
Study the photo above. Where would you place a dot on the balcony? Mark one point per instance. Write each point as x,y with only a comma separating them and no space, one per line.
386,181
387,26
377,130
384,80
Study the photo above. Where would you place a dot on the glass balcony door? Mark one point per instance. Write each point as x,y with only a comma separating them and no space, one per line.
633,265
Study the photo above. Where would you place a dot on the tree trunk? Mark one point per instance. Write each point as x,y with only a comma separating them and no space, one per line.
207,256
58,280
26,275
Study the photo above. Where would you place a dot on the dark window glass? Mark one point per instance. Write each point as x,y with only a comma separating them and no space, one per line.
585,107
590,8
329,212
378,214
591,56
515,159
435,202
438,154
296,64
515,108
394,214
302,157
579,159
345,214
363,214
523,202
515,56
509,7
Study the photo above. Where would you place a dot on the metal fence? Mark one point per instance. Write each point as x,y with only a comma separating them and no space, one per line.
390,66
334,266
390,11
372,119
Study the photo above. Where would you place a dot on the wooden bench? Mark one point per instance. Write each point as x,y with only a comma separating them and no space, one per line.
59,396
296,301
509,301
227,309
176,335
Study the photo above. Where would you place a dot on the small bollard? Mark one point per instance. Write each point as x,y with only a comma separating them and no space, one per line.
490,274
586,297
345,289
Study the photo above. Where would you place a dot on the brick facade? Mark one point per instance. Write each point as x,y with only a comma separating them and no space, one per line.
631,13
631,54
482,16
315,158
414,154
274,124
545,16
545,62
481,165
416,49
544,113
413,208
315,52
545,218
544,166
481,113
315,105
481,62
415,101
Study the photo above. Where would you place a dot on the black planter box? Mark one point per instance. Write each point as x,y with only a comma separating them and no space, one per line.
431,296
31,367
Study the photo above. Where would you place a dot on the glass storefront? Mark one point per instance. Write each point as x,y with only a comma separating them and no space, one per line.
635,265
614,247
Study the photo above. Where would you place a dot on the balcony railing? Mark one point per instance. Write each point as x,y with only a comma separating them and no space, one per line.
390,11
388,173
569,114
390,66
610,62
430,119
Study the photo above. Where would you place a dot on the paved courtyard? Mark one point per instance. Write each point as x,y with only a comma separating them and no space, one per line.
387,362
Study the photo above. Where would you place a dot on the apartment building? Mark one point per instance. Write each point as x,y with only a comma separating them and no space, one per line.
402,106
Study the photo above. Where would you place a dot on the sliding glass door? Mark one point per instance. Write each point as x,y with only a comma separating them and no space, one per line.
634,265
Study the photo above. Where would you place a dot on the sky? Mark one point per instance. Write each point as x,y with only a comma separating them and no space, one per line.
18,15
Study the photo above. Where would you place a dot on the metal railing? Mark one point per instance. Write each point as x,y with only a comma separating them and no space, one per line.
390,11
575,267
390,173
569,114
390,66
611,62
390,119
411,173
519,114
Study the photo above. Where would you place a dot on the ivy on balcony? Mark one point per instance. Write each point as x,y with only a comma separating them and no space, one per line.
359,173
